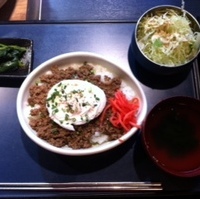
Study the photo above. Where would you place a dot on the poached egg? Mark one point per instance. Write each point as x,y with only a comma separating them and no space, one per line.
74,102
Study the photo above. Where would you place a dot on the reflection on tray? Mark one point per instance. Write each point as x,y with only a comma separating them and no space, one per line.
196,74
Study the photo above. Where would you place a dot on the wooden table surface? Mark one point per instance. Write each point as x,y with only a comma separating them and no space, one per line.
14,10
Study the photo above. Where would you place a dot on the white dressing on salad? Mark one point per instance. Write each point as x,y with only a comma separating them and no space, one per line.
74,102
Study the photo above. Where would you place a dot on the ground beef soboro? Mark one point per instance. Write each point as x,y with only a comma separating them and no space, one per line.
50,131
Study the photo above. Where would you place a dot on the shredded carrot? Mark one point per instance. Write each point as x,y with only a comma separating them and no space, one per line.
123,111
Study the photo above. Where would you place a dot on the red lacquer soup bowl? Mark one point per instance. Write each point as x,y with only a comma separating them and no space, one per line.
171,135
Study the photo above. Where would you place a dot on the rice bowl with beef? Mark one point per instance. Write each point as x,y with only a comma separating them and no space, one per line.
92,137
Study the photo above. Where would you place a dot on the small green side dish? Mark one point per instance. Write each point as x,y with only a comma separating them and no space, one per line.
15,57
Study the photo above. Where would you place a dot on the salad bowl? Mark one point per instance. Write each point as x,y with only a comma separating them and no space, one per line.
166,40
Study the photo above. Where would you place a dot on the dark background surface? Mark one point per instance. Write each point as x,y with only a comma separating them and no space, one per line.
116,10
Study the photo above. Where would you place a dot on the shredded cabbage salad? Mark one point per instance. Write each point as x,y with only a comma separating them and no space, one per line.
167,38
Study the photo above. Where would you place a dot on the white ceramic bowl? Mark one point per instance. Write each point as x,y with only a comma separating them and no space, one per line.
66,59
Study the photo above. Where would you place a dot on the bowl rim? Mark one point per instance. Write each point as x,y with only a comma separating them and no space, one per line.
78,152
163,7
180,173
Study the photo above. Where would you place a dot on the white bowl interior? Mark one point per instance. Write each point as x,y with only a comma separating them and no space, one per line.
70,58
